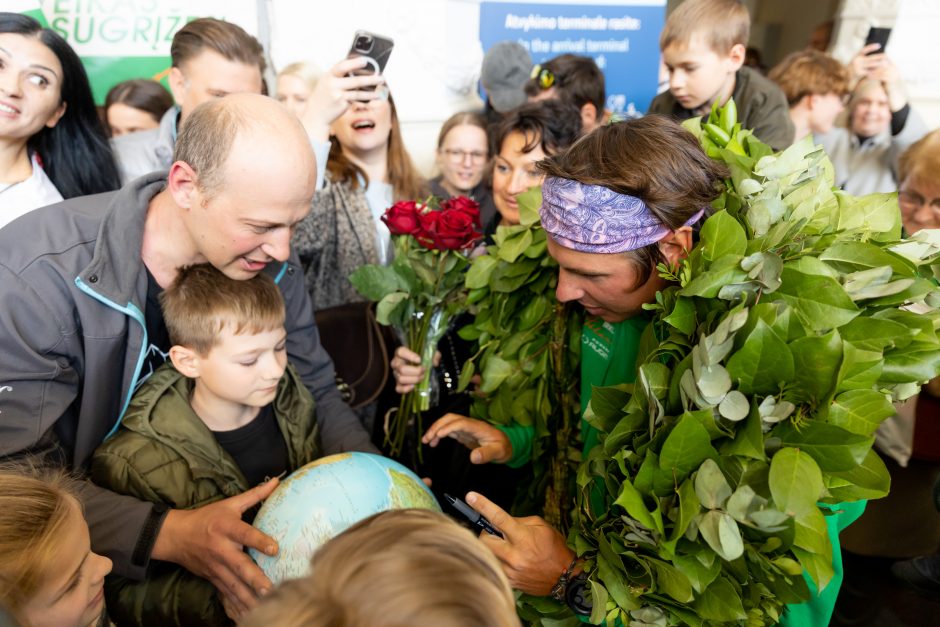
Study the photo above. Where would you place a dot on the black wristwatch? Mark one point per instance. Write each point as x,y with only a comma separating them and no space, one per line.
577,595
148,534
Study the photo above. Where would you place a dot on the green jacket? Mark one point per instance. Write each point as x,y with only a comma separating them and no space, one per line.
164,453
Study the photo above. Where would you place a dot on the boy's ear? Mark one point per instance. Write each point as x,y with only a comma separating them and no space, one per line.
186,361
676,246
736,56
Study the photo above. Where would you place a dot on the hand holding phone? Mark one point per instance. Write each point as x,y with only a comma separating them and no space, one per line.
878,36
376,49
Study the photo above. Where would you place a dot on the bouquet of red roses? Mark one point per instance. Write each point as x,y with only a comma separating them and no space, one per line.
423,288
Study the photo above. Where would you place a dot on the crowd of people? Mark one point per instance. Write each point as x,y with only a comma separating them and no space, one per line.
162,261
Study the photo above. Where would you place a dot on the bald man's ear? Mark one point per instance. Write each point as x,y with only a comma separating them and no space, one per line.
182,183
676,246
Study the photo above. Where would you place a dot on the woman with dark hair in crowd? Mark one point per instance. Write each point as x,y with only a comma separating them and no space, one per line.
52,143
135,105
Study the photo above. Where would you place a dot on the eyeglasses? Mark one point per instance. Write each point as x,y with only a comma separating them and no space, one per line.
543,76
459,156
913,200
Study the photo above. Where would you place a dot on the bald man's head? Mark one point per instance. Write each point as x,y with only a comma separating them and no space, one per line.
256,125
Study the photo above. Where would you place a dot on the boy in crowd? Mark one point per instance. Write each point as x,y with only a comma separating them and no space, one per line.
816,87
228,414
703,47
573,79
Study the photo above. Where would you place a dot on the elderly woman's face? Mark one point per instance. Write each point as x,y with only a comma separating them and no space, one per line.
871,114
919,199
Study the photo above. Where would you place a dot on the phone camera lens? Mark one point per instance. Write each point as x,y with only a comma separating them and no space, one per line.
364,42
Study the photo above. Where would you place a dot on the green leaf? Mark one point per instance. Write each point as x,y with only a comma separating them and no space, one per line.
610,569
874,213
734,406
919,366
860,411
722,534
876,334
607,406
375,282
689,507
795,481
722,235
685,448
682,316
853,256
723,271
749,439
385,311
512,247
480,271
860,369
762,363
833,448
720,602
819,301
529,202
699,575
711,487
495,371
632,501
672,581
816,361
868,480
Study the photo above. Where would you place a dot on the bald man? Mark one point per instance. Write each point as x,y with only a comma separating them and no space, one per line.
81,325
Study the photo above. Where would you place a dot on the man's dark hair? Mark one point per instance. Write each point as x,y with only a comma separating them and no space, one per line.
552,124
576,79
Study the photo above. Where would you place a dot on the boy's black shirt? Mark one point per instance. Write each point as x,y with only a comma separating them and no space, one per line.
258,448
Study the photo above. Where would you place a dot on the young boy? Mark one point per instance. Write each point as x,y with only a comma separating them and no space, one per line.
703,47
816,87
227,414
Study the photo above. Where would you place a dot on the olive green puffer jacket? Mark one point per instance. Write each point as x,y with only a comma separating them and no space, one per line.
164,453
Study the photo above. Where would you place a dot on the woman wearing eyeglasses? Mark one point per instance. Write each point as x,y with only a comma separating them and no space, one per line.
462,154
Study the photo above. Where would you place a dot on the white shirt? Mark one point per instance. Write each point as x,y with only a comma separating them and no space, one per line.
17,199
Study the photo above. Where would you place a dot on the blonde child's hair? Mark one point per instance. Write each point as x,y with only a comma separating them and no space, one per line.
722,23
397,568
202,301
922,159
36,506
808,72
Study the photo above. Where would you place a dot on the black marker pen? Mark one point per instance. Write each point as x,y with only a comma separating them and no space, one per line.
473,516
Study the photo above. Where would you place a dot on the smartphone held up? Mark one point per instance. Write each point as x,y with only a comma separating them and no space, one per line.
375,49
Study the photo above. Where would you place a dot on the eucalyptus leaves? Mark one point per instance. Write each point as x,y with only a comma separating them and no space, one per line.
795,322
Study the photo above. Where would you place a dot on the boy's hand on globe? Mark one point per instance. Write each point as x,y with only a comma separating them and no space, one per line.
209,542
532,552
487,443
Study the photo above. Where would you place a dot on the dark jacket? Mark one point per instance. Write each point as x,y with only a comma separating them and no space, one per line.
761,105
73,290
164,453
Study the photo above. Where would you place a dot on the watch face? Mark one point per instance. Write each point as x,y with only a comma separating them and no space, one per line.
577,596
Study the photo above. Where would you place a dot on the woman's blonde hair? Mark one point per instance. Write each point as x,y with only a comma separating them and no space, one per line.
397,568
305,71
35,508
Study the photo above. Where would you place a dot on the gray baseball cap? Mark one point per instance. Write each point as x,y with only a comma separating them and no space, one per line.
506,68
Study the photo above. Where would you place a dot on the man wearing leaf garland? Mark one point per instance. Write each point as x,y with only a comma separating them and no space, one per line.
620,208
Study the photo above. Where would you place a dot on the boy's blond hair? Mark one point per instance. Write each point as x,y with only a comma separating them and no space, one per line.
808,72
397,568
202,301
722,23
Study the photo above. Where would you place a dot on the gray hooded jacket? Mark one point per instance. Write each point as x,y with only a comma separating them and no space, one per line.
73,340
146,151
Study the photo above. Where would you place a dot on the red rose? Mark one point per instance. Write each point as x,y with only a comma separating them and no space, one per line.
427,231
456,229
464,205
402,218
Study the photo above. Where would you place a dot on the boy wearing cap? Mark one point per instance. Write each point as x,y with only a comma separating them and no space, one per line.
703,47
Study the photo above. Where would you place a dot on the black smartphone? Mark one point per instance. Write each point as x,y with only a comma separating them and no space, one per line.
374,47
878,35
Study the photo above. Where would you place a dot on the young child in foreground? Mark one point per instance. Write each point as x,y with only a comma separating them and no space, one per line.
228,413
49,576
703,46
395,569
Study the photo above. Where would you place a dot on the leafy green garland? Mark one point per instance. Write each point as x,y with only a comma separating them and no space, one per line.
767,368
529,355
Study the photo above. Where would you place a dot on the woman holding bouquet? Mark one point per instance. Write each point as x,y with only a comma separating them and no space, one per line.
358,137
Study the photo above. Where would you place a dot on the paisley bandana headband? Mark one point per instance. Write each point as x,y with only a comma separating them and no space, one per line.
595,219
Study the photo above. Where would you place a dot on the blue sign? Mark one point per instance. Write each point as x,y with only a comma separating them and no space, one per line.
623,40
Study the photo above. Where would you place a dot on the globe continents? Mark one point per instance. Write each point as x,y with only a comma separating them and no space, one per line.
323,498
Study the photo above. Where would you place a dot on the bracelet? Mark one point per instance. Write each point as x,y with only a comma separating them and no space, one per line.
558,590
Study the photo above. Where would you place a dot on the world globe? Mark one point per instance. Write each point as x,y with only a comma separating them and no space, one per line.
325,497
